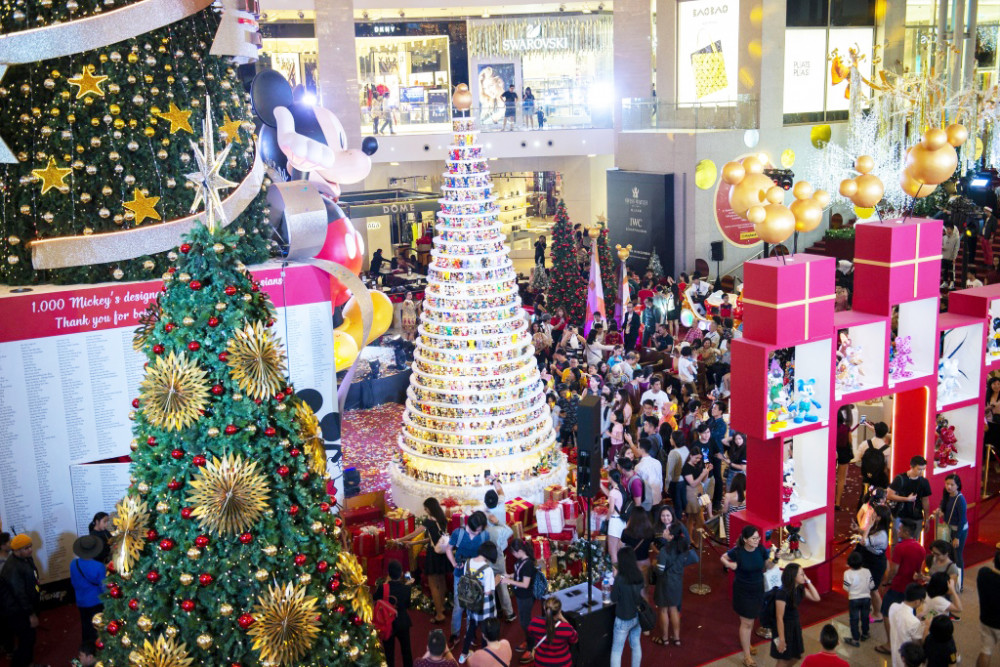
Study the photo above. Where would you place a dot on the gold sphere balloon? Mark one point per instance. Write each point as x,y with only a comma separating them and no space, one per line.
848,187
753,165
822,197
778,225
775,195
461,99
957,134
756,214
869,192
802,190
749,192
705,174
733,172
864,164
808,214
934,139
915,188
931,166
819,136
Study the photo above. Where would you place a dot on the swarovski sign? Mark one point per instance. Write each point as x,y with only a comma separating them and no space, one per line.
533,41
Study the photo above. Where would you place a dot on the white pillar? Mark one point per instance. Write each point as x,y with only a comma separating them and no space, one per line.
338,67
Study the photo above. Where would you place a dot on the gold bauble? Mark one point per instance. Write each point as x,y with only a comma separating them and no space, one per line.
144,623
778,225
143,488
808,214
162,507
204,642
749,192
194,553
822,197
753,165
733,172
957,134
187,321
864,164
270,550
98,621
186,579
775,195
344,639
461,99
870,191
915,188
934,139
848,187
756,214
317,527
261,575
802,190
212,432
226,609
305,578
126,642
170,631
931,166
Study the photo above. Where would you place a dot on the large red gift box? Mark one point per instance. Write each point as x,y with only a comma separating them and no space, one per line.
895,262
368,540
788,300
570,508
402,556
374,567
542,549
521,510
359,515
399,523
457,520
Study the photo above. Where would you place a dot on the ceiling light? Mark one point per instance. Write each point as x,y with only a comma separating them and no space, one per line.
586,9
600,7
402,14
486,13
393,164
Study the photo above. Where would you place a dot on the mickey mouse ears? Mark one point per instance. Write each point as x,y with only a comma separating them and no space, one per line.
269,91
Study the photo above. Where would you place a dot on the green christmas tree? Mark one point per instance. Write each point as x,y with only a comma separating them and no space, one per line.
102,137
654,264
609,277
539,282
225,551
569,287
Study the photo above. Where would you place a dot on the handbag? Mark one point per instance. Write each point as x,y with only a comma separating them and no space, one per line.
709,67
690,557
647,617
942,529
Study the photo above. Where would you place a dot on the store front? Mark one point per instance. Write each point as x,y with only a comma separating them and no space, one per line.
291,48
566,61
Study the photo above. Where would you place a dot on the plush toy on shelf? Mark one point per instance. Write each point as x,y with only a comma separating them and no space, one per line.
901,361
778,399
789,496
993,344
795,539
849,369
805,401
945,451
949,380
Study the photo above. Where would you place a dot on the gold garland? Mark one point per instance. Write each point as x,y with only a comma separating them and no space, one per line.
312,441
354,585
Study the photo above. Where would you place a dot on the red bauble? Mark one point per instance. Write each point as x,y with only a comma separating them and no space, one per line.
185,248
294,452
205,579
257,401
172,269
245,621
133,604
195,285
231,429
115,592
300,559
230,290
110,567
337,522
113,627
152,535
201,541
254,286
289,391
177,454
213,321
246,538
340,609
322,566
334,585
135,402
187,605
186,512
166,544
169,326
98,643
151,441
270,323
270,431
356,620
217,389
305,476
283,471
293,510
174,484
280,396
198,460
223,356
158,349
153,576
324,507
194,346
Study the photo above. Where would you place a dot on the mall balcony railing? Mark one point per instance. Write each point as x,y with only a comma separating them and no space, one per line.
435,118
651,114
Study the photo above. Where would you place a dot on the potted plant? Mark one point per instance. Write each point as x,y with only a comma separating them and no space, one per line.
424,243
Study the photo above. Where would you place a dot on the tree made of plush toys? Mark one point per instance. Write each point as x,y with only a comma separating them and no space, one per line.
945,451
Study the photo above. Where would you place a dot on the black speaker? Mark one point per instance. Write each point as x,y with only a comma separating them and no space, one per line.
588,443
717,253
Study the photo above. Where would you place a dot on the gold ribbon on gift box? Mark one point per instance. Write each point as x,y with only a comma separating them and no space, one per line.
398,514
916,262
808,301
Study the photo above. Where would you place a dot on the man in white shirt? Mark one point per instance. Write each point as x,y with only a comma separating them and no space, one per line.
655,393
697,293
687,368
650,470
905,625
713,332
971,280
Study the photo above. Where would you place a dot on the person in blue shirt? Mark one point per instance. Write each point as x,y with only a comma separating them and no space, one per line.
86,573
463,545
717,449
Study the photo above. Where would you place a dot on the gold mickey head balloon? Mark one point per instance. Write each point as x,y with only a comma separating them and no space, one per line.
753,165
822,197
864,164
749,192
808,214
756,214
848,187
931,166
957,134
934,139
733,173
462,97
915,188
869,191
802,190
778,225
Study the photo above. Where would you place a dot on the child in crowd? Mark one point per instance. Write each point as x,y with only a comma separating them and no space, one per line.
858,584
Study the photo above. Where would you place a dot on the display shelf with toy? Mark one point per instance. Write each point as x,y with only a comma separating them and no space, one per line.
790,478
960,359
956,438
982,303
861,358
814,542
912,320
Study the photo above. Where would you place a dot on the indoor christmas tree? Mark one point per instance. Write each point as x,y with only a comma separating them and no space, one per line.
609,276
569,286
654,264
225,551
476,404
539,282
98,136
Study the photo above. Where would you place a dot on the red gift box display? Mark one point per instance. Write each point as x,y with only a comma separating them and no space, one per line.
399,523
570,509
374,567
542,549
555,493
521,510
359,515
897,261
597,516
788,300
368,540
550,517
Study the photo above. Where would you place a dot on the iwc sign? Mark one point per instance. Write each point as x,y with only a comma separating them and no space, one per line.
641,213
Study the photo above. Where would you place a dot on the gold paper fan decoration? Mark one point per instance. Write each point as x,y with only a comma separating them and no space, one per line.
255,361
164,653
228,495
312,441
354,585
173,392
147,322
286,624
131,521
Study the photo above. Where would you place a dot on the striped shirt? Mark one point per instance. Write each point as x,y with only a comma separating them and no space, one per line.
555,653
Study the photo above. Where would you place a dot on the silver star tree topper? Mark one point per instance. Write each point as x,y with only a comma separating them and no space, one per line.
207,178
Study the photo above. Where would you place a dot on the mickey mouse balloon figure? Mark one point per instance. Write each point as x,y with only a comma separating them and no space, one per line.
304,142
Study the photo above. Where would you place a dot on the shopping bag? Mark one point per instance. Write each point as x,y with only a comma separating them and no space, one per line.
709,67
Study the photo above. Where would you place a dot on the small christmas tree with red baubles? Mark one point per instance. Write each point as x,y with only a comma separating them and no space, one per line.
569,287
608,274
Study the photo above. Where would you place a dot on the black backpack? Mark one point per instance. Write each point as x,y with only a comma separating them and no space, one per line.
471,594
873,463
769,610
628,502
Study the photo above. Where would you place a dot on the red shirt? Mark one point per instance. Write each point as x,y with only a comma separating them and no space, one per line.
909,555
824,660
555,653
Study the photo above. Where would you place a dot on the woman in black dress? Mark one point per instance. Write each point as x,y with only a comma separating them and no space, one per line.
670,583
746,560
787,647
437,567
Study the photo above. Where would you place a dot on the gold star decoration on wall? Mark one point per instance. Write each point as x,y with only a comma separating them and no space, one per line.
179,120
143,207
52,176
87,83
232,129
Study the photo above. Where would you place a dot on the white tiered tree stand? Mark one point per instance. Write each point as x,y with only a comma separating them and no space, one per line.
476,402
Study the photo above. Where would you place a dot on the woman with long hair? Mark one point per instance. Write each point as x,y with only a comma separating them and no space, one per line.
615,492
736,456
99,527
735,500
746,560
522,580
670,583
638,534
437,567
694,473
872,546
552,635
558,324
845,450
626,593
953,512
787,646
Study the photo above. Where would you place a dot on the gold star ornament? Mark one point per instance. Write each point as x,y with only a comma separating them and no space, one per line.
255,361
143,207
286,624
228,495
164,653
174,392
52,176
87,83
179,120
130,522
232,129
311,439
